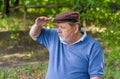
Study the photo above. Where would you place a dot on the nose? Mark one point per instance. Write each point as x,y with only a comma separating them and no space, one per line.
59,30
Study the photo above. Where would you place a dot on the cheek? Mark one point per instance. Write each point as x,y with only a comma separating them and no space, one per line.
66,33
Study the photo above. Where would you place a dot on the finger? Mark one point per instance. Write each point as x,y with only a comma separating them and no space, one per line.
38,19
43,19
50,17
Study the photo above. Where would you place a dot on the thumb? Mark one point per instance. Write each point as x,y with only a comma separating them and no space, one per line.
50,18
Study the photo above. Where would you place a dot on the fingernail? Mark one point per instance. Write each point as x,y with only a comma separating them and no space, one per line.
50,17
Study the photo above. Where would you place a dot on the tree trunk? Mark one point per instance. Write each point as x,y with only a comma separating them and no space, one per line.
6,7
16,3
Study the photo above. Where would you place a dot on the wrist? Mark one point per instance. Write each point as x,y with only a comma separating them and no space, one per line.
37,26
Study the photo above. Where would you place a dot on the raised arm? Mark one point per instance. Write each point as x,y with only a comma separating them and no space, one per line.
36,28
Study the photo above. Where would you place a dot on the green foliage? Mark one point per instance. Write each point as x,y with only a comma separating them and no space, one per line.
99,14
13,24
110,41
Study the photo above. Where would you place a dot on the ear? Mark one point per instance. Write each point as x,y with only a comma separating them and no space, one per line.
76,28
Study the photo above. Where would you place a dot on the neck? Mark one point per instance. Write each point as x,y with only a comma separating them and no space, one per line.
75,38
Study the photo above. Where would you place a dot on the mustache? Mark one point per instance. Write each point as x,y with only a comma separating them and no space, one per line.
59,34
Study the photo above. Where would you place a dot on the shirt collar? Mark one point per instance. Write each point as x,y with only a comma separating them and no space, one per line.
84,34
81,39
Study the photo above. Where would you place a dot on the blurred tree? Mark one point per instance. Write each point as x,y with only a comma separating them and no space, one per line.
6,7
16,3
1,2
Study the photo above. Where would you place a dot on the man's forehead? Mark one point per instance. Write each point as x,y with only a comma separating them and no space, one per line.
62,24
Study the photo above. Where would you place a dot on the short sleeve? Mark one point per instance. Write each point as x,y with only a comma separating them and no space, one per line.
46,37
96,61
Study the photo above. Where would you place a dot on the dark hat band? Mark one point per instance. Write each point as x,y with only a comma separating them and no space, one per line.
65,20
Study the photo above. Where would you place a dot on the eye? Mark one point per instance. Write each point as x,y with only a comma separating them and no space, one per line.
62,27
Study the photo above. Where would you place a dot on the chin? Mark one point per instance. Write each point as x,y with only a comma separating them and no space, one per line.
63,39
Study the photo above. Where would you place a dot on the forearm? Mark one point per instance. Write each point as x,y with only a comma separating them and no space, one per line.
35,32
36,28
96,78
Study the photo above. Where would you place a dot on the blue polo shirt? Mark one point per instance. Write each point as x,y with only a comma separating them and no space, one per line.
81,60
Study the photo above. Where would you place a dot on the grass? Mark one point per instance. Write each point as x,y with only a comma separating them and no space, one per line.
26,72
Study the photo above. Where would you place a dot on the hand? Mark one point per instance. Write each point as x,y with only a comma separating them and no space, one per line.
41,21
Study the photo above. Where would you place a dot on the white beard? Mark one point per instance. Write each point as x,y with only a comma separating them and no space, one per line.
66,40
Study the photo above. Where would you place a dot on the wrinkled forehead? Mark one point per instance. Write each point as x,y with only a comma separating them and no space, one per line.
63,24
71,24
